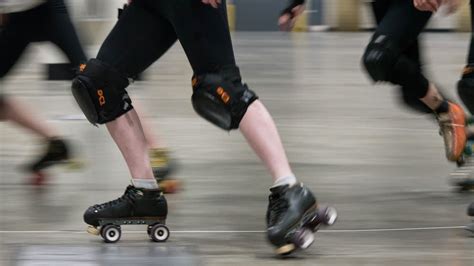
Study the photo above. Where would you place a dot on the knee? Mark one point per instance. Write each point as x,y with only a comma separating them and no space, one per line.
100,92
221,98
379,59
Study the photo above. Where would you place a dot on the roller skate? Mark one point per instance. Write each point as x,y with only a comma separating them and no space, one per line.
136,206
470,212
162,167
293,217
463,176
452,128
57,152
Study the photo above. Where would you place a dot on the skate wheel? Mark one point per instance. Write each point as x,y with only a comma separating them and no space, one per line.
111,233
285,250
148,230
330,216
470,228
93,230
170,186
304,238
159,233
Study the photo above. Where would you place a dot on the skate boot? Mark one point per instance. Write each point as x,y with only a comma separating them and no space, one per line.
452,128
463,176
162,167
57,152
135,206
293,216
470,212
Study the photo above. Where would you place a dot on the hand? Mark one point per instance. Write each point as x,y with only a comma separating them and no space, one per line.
287,20
213,3
427,5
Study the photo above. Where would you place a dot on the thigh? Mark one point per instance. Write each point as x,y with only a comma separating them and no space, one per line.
61,32
138,39
380,8
203,32
403,23
13,41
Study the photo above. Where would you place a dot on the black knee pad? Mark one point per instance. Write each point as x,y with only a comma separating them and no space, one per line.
380,57
466,93
100,92
221,98
384,62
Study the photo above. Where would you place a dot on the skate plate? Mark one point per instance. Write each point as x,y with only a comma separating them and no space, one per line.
111,232
302,236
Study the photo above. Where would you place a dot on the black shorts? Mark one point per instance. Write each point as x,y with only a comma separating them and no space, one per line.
148,28
47,22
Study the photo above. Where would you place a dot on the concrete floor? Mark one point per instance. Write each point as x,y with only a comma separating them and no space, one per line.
380,165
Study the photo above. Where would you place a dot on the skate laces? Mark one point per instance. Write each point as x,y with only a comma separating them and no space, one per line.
128,196
277,206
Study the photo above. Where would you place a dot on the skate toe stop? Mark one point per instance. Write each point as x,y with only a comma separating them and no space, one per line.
93,230
286,249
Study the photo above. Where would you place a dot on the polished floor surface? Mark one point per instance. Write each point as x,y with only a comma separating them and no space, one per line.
381,165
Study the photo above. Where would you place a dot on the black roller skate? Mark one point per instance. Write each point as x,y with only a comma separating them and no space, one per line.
463,176
136,206
470,212
162,167
293,217
57,152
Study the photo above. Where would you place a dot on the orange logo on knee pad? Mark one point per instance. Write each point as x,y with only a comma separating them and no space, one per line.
100,93
82,67
224,96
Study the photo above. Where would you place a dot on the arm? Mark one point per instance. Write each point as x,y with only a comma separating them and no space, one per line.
288,15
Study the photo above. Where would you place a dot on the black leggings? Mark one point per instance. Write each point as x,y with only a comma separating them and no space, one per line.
148,28
470,57
47,22
402,23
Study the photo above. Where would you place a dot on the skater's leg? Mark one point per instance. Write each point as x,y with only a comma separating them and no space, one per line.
125,53
20,113
466,84
61,32
260,131
384,60
211,55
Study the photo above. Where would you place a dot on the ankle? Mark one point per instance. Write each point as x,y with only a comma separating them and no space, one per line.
149,183
285,180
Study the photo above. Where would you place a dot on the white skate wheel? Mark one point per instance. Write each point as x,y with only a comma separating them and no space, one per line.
111,233
305,239
159,233
331,216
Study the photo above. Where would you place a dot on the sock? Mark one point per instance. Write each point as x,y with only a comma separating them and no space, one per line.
145,183
442,108
285,180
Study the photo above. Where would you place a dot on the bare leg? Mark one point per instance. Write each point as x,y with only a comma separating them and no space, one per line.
154,142
261,133
127,133
20,113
